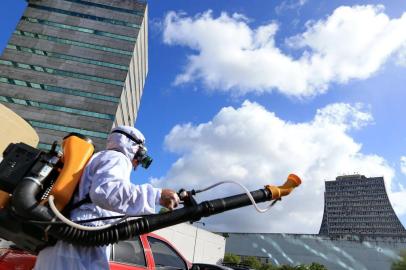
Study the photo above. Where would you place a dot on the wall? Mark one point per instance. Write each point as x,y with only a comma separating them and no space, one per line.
336,254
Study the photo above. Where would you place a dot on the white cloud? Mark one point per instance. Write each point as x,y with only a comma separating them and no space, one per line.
401,59
403,164
351,43
398,202
255,147
289,4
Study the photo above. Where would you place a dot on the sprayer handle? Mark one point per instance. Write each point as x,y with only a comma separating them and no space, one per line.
278,192
186,197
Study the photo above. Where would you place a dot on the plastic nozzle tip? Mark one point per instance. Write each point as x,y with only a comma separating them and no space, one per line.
292,182
294,179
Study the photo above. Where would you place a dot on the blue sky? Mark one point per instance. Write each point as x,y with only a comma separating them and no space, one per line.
251,91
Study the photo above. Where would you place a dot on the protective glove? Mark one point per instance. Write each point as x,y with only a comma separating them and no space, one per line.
169,199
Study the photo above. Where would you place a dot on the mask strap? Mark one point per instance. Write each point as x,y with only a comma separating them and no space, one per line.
128,136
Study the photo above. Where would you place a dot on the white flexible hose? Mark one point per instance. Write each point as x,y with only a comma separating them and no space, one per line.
245,190
76,225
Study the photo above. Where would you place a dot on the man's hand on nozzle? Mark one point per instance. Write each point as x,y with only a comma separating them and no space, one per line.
169,199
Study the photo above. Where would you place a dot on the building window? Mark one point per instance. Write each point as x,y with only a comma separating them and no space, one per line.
46,146
79,29
44,125
58,108
61,72
86,16
57,89
71,42
66,57
87,3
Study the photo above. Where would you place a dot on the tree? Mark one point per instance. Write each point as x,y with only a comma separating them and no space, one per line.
255,263
317,266
252,262
231,258
313,266
288,267
301,267
401,264
268,266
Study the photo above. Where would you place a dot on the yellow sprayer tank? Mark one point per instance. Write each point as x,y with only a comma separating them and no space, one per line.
77,151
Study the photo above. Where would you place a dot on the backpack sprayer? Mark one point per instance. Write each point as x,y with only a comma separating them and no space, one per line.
36,186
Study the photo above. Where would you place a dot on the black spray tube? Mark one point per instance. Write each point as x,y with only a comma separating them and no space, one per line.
131,228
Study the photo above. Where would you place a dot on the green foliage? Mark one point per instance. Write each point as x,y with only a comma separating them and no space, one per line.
225,235
317,266
313,266
401,264
252,262
231,258
268,266
288,267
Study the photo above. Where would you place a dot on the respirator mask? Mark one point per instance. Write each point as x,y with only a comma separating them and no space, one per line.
141,155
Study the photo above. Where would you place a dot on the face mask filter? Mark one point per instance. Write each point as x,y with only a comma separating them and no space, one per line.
142,157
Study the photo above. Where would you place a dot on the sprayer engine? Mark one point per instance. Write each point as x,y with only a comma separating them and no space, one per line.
28,176
23,161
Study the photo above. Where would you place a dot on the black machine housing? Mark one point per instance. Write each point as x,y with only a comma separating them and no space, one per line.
21,161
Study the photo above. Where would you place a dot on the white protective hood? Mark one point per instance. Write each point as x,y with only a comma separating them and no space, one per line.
123,144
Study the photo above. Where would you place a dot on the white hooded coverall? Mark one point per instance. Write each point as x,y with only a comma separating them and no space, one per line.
107,179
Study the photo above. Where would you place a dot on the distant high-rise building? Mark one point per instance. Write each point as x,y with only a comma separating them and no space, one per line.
357,205
76,66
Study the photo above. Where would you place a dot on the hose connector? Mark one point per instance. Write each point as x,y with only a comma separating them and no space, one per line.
284,190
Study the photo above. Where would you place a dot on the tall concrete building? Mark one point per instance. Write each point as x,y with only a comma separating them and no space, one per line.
76,66
357,205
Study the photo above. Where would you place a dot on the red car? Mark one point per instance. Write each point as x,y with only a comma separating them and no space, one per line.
145,252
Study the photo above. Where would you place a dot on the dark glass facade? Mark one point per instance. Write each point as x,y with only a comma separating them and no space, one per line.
76,66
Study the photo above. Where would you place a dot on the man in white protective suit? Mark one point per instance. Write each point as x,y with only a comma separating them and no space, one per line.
106,179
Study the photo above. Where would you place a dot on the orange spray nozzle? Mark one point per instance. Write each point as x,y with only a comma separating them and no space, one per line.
279,191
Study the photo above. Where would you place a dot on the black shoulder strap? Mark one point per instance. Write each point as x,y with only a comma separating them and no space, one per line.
75,205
